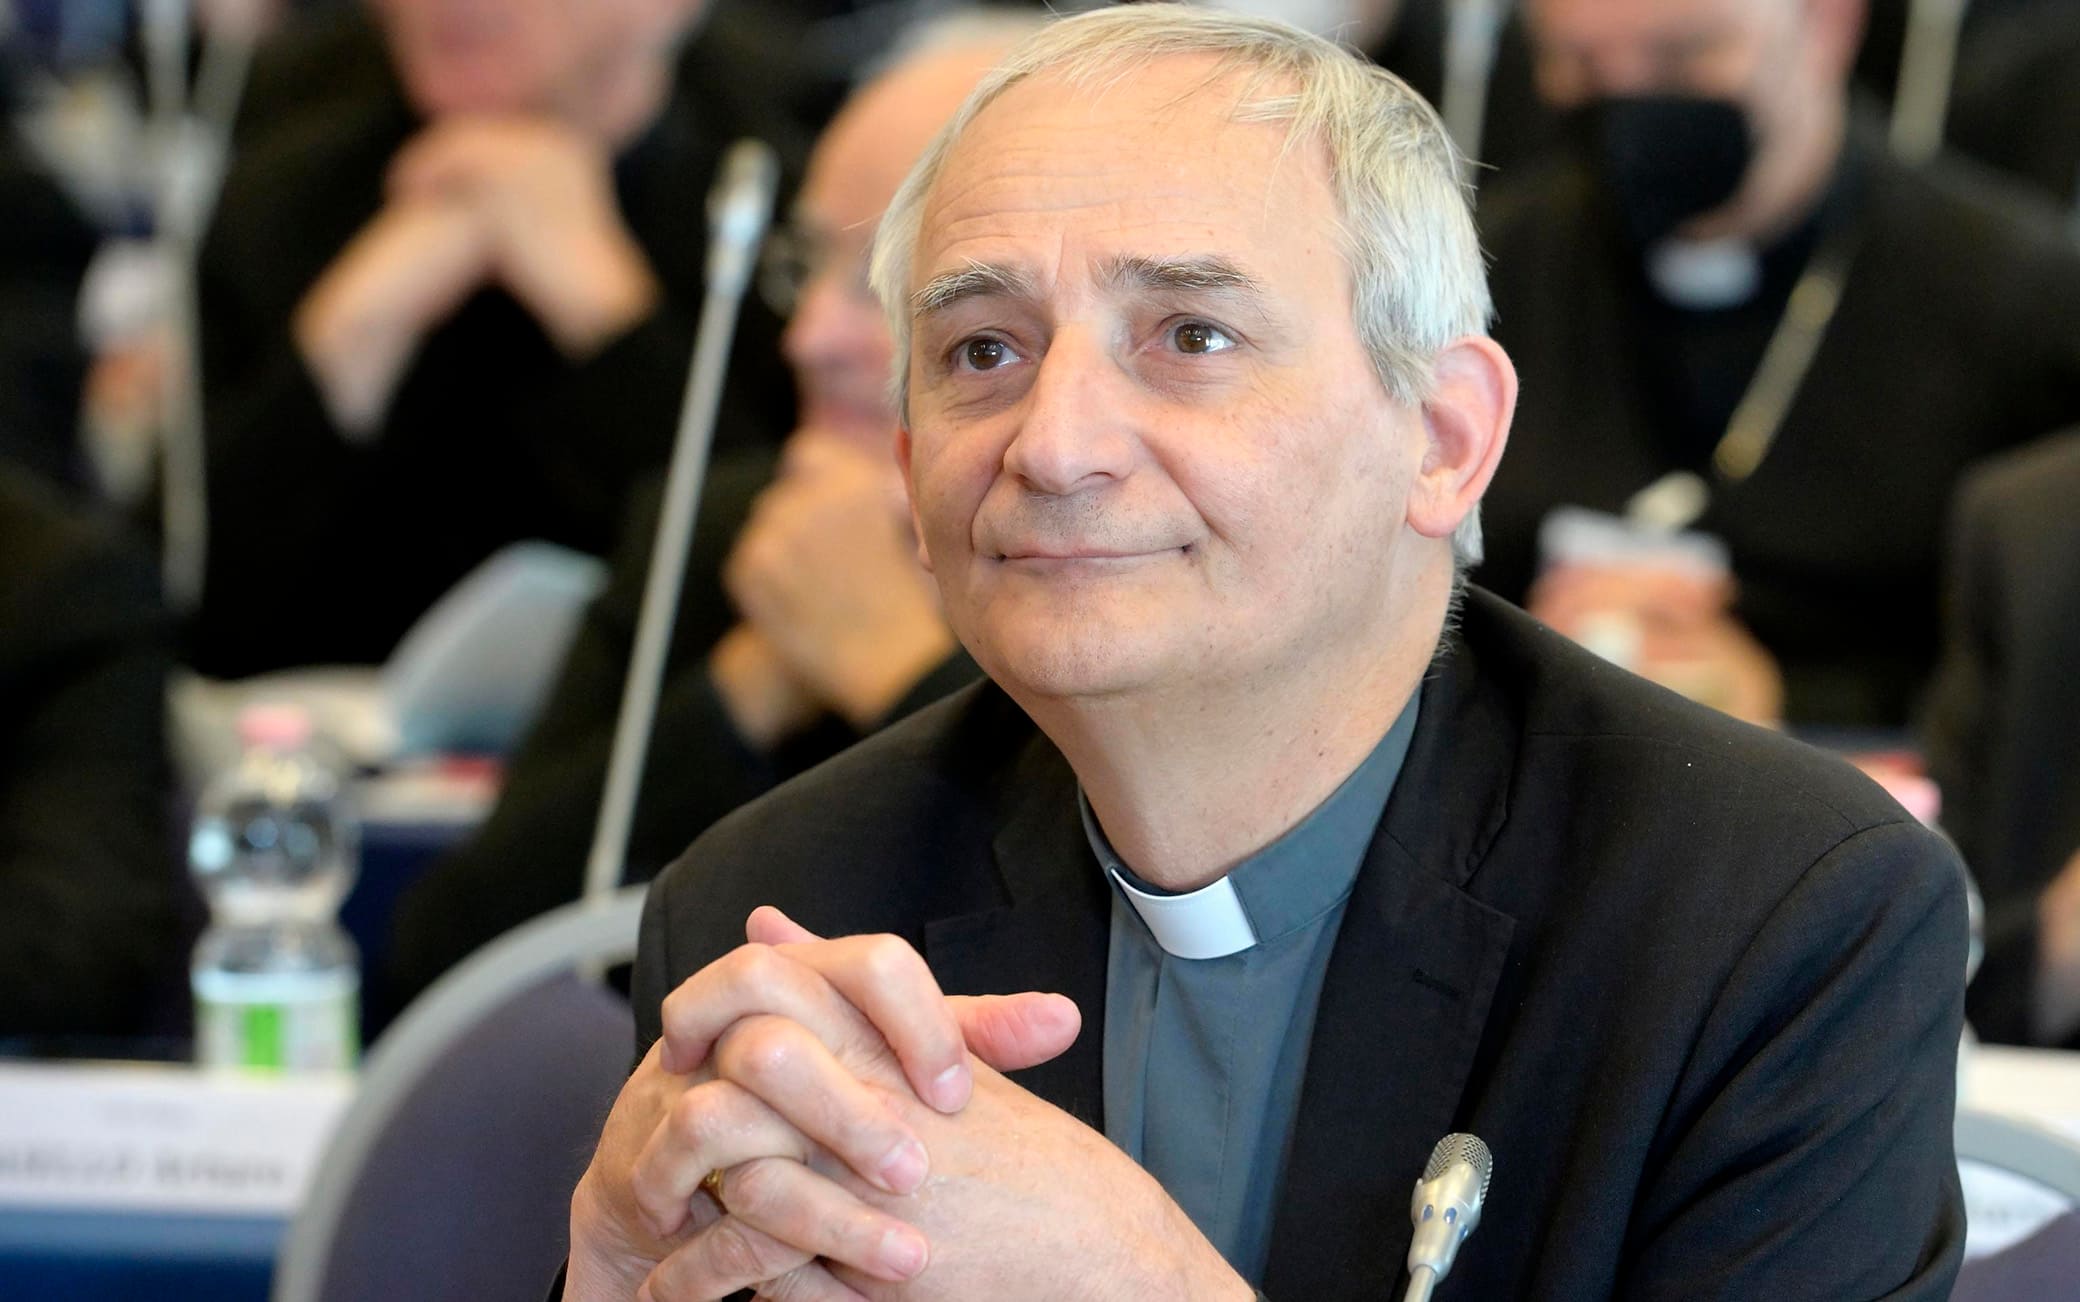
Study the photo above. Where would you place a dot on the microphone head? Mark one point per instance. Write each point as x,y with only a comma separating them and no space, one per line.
750,169
1461,1148
740,203
1447,1202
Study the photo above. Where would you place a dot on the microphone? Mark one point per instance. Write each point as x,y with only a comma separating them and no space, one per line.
739,205
1445,1209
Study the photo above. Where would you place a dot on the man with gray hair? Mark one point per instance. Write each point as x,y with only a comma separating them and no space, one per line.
1197,398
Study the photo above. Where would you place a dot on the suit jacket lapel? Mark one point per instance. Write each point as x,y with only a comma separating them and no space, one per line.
1403,1004
1051,934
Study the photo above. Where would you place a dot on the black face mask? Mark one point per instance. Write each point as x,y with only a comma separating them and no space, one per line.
1667,158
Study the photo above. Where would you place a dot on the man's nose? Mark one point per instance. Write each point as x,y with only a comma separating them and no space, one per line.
1075,429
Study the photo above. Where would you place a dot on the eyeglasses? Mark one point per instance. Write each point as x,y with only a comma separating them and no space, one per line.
794,257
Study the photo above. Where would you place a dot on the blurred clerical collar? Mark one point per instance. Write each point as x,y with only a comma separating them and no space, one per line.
1705,275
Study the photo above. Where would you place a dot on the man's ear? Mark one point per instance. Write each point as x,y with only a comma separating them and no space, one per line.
1466,424
924,556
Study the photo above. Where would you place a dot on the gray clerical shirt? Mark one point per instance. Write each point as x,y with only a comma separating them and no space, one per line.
1210,1001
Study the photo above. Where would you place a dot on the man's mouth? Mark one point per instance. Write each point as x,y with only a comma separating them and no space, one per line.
1060,556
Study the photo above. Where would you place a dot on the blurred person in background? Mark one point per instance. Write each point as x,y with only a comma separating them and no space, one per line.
2004,734
89,889
451,307
1729,293
836,629
1520,127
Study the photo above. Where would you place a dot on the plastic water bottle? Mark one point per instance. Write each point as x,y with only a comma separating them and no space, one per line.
277,983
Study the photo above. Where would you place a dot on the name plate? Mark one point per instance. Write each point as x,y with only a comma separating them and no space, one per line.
150,1138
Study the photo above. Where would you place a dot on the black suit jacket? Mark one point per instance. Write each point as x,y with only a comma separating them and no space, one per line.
2004,728
1699,987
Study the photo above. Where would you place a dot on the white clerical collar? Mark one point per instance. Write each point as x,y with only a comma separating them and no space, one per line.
1207,923
1705,276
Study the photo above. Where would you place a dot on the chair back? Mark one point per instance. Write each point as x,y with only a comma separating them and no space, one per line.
2027,1201
450,1175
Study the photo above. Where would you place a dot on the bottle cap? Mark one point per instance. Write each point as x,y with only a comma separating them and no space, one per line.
275,725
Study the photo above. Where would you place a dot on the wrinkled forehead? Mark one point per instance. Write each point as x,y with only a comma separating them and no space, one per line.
1163,159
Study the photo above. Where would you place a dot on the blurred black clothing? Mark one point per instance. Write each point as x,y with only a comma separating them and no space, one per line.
2018,101
323,550
1698,362
529,856
45,245
1885,35
1958,334
89,892
2004,724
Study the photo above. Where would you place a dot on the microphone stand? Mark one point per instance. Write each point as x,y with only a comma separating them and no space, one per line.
1921,102
739,207
1421,1281
191,138
1473,31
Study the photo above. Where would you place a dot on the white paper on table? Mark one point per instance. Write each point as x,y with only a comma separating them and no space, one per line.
2040,1085
135,1137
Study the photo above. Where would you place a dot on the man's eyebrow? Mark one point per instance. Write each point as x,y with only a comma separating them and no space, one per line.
1196,274
976,280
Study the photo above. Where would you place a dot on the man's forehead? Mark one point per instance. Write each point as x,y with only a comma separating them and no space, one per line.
1190,99
1154,166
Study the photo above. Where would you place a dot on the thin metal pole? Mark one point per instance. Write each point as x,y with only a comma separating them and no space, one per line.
739,219
1928,63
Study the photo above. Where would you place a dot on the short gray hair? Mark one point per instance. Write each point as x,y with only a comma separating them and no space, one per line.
1405,217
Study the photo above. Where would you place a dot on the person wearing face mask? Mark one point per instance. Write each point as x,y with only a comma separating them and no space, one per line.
1734,312
832,628
448,305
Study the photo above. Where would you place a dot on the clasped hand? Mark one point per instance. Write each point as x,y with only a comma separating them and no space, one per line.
1687,636
838,616
869,1147
524,203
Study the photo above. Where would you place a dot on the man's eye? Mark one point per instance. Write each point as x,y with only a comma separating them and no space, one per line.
984,354
1198,337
